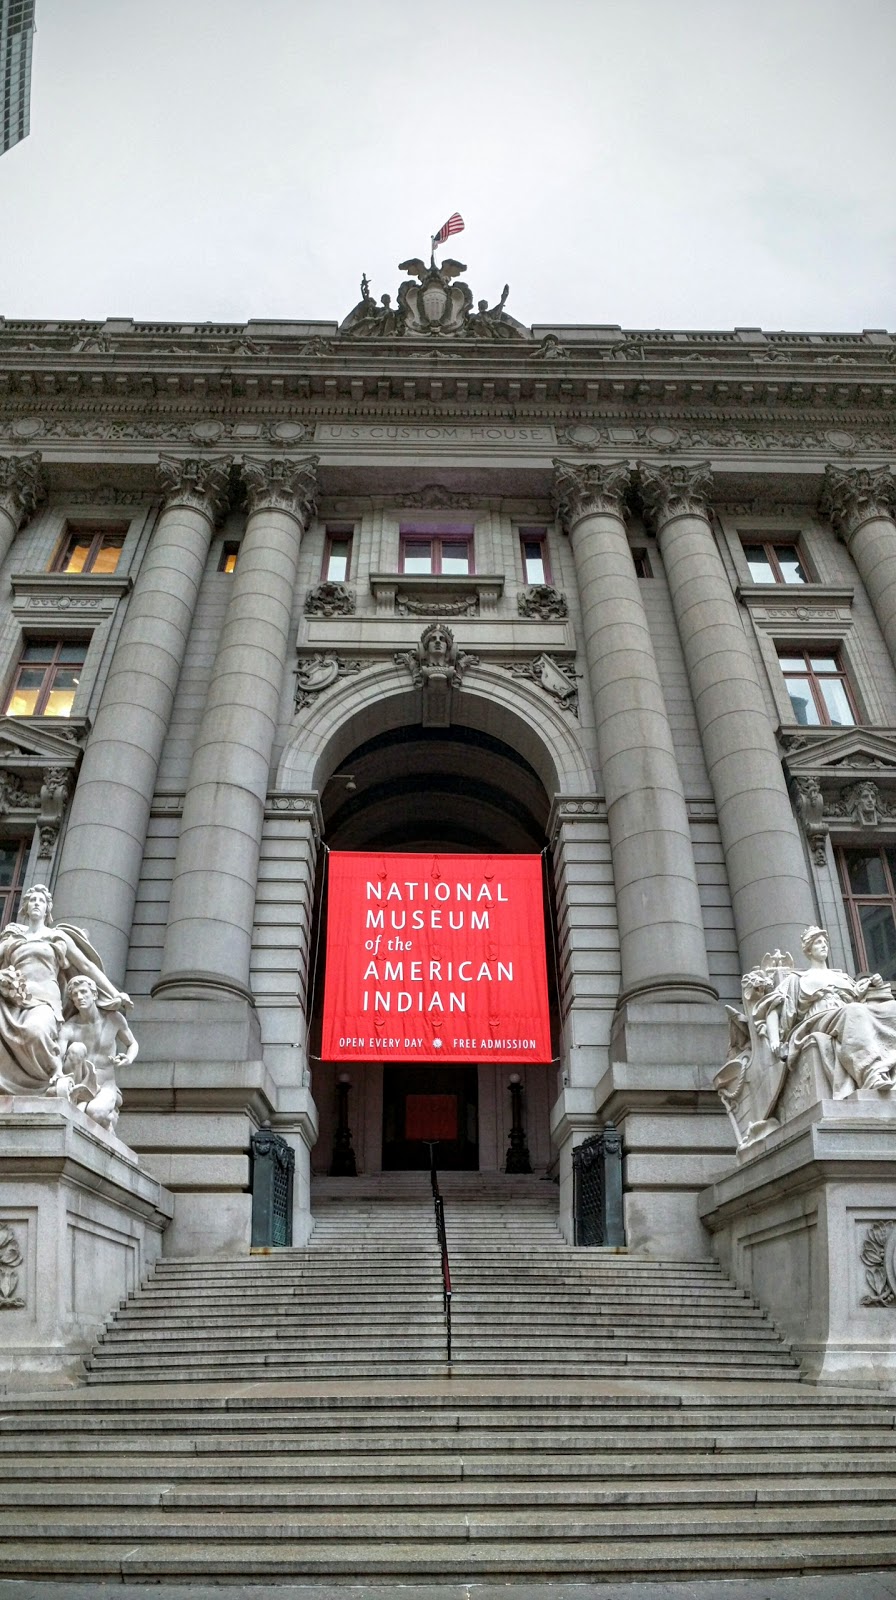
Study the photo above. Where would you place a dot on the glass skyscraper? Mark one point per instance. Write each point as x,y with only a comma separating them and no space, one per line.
16,29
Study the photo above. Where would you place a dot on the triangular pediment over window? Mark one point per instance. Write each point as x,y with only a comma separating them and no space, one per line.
42,742
840,753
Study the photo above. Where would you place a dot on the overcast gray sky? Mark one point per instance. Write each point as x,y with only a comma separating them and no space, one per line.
657,163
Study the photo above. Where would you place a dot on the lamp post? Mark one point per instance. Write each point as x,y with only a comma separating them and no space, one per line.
343,1164
518,1153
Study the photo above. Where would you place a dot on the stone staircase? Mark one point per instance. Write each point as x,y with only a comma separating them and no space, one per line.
290,1418
364,1300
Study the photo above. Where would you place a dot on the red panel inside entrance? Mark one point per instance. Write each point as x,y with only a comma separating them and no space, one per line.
430,1116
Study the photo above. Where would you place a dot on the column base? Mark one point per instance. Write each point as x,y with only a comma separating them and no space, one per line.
198,985
669,989
658,1091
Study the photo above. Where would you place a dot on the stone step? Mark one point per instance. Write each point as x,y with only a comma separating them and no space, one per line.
462,1560
467,1338
523,1472
595,1494
277,1369
615,1519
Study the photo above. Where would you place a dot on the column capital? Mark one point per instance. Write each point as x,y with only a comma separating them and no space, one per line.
588,488
669,491
199,485
276,484
22,487
853,495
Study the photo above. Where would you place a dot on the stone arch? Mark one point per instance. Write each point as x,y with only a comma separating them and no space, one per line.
489,702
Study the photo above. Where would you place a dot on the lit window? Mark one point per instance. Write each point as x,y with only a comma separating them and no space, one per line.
533,543
46,678
818,689
229,554
448,554
775,561
868,878
337,555
96,550
13,856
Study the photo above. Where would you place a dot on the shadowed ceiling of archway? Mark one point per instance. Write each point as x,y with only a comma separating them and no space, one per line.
435,788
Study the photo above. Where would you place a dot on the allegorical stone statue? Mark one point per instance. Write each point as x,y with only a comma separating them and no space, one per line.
793,1018
61,1020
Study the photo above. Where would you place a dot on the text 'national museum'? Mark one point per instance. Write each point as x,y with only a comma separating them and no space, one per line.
422,728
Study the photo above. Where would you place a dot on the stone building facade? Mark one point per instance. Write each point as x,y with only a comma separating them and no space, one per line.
669,559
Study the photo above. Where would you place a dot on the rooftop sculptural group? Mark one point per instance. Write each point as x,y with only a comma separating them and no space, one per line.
62,1024
793,1020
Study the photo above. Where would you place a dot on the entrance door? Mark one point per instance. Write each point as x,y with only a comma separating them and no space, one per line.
423,1103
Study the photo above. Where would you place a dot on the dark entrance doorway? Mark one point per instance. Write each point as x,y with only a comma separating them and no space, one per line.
422,1103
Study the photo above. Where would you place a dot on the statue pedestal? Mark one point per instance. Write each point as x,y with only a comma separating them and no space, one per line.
80,1225
805,1221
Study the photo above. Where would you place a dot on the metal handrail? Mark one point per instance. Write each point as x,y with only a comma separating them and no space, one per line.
439,1207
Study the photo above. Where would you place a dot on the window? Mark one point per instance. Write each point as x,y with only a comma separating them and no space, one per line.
229,553
641,561
775,561
337,555
868,878
534,545
95,550
447,552
817,686
13,856
47,678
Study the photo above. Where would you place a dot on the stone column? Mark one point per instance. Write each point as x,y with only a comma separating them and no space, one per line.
103,848
661,935
21,492
208,942
860,503
767,873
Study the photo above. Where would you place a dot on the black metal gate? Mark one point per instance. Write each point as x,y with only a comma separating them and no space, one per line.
273,1165
597,1189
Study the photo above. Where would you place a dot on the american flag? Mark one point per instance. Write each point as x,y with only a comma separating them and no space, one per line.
455,224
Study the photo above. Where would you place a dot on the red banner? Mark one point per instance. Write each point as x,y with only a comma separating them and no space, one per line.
435,958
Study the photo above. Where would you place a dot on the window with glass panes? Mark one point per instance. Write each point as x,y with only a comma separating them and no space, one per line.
775,561
96,550
868,878
817,685
13,856
46,679
229,556
446,552
534,545
337,555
